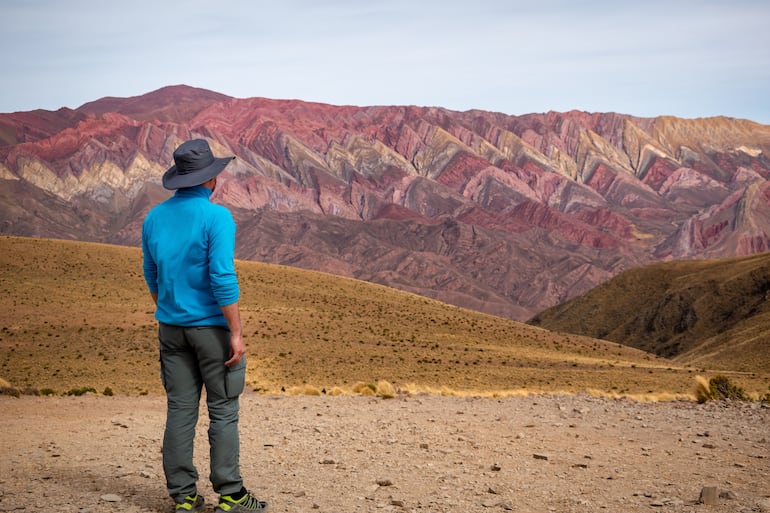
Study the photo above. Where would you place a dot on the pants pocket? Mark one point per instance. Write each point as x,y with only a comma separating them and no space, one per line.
163,374
235,379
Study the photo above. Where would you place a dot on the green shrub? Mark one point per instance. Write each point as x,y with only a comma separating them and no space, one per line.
723,389
718,388
107,391
80,391
47,391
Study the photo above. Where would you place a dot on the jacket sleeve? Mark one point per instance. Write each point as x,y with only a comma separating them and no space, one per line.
224,281
149,266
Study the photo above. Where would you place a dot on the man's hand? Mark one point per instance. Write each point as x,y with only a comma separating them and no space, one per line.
237,349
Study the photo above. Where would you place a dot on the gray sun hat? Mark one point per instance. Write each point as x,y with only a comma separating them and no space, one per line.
194,164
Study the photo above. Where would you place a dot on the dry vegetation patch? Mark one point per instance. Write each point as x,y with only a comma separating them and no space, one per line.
707,313
79,315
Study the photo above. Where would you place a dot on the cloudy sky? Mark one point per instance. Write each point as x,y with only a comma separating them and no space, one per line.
687,58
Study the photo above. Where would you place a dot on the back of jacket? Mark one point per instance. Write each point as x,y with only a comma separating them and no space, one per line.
188,246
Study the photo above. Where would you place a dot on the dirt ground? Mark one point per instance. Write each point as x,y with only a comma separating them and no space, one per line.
356,454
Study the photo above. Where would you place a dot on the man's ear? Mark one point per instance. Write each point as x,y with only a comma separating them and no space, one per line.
210,184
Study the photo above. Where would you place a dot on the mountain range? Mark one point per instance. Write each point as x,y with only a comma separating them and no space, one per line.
508,215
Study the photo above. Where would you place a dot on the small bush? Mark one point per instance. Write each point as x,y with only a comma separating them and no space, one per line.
725,389
107,391
718,388
14,392
80,391
47,391
30,391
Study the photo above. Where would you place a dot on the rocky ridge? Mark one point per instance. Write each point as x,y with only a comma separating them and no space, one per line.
504,214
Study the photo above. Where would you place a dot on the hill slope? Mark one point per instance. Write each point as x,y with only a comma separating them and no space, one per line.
78,314
505,214
712,314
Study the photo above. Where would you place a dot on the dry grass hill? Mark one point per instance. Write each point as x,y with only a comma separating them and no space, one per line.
78,315
712,313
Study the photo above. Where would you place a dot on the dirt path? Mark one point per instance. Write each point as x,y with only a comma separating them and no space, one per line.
353,454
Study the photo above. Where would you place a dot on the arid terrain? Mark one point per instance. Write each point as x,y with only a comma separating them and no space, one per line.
706,313
368,398
421,453
487,414
78,315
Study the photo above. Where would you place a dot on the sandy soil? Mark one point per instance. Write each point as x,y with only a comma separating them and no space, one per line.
354,454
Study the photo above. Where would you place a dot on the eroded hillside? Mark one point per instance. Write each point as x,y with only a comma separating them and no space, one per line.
505,214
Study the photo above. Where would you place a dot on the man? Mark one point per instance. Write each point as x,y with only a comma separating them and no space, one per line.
188,245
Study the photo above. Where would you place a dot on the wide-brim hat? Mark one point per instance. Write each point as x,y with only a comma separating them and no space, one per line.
194,164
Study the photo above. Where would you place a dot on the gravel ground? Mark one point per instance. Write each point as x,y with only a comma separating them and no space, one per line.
356,454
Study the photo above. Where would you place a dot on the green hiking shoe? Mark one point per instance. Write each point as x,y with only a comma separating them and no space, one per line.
191,504
246,504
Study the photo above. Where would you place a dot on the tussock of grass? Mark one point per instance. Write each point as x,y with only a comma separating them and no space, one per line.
382,389
362,388
304,390
335,391
385,390
702,389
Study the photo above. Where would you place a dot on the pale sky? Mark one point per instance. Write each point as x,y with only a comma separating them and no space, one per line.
686,58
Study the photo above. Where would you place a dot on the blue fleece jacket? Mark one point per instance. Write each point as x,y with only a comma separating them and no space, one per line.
188,245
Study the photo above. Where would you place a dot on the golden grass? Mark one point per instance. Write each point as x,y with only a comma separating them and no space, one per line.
385,389
702,389
304,390
702,313
78,314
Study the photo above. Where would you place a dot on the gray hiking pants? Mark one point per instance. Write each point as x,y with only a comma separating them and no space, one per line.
191,357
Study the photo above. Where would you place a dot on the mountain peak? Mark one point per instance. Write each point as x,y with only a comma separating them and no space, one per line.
168,104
